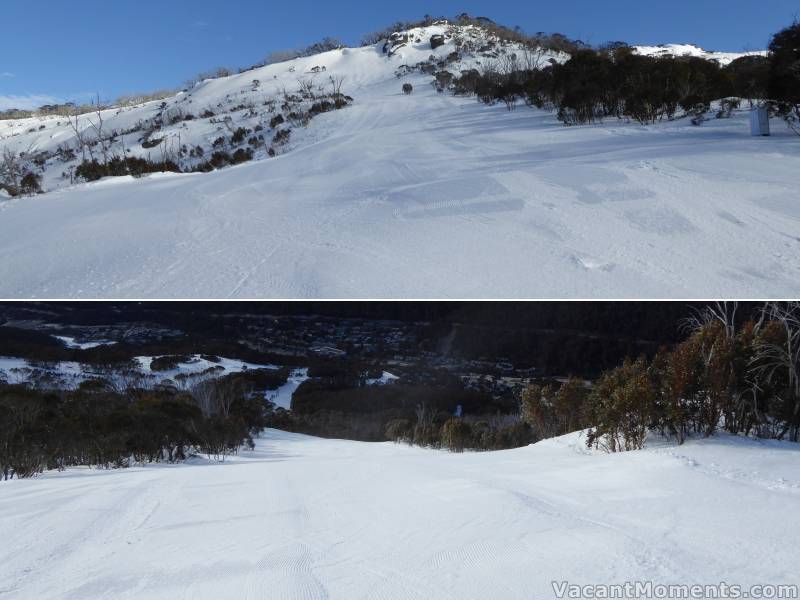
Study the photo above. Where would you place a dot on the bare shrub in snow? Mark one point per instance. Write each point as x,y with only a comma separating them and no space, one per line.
325,45
399,430
30,184
12,170
282,136
456,435
142,98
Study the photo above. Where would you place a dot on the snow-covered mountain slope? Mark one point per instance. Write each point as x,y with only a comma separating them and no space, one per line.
307,518
678,50
186,371
208,115
433,196
282,397
426,195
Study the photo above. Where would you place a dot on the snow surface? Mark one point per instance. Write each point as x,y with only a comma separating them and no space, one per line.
70,342
19,370
282,397
385,379
678,50
198,364
13,370
424,196
307,518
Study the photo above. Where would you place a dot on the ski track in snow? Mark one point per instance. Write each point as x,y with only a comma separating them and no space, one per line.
282,397
429,196
307,518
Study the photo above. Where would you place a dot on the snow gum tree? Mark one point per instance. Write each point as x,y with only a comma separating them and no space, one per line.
776,363
621,407
569,405
538,412
550,411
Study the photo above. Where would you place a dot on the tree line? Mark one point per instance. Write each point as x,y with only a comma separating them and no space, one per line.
741,378
416,410
99,425
735,373
614,81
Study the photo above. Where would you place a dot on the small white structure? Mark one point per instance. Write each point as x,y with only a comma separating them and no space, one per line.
759,121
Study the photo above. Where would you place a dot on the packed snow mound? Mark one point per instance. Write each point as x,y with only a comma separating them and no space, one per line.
311,518
679,50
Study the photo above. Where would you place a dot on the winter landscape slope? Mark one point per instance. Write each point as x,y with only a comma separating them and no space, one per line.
426,195
723,58
186,372
307,518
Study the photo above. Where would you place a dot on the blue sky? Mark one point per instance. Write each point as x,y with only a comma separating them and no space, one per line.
51,50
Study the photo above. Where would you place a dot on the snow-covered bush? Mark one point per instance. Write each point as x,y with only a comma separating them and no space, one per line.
381,35
239,135
30,184
282,136
320,107
443,79
92,170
